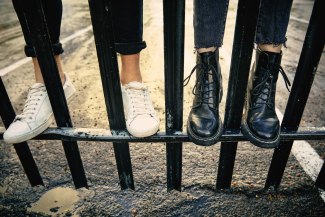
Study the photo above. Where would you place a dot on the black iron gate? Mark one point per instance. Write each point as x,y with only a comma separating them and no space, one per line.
174,14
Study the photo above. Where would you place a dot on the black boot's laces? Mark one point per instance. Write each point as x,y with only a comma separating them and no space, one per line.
265,88
199,87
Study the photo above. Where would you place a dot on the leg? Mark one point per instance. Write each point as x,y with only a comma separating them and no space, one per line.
209,22
273,22
38,73
141,118
37,114
128,30
204,125
260,122
130,70
272,25
53,16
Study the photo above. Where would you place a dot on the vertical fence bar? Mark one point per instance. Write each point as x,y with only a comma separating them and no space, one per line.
174,18
40,38
306,70
320,181
101,16
7,114
246,20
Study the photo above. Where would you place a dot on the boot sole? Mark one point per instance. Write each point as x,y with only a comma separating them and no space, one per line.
255,140
205,141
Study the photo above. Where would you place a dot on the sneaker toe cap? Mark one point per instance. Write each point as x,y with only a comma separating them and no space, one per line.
143,126
15,131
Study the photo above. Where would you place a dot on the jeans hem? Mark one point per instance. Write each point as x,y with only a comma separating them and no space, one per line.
217,45
275,43
56,48
130,48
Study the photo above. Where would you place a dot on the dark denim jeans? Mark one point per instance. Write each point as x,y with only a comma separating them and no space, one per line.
127,19
210,17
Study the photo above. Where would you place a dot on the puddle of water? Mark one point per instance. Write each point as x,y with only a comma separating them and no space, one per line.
56,202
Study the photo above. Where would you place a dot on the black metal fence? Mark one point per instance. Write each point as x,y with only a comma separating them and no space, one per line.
174,14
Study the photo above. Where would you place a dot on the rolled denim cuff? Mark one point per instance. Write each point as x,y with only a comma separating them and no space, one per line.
260,40
130,48
56,48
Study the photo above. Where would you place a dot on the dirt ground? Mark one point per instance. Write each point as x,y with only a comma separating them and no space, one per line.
296,197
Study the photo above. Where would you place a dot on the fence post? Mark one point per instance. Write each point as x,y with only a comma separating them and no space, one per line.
306,70
7,114
243,44
40,38
101,16
320,181
174,18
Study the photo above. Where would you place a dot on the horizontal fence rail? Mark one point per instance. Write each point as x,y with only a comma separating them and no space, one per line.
174,19
104,135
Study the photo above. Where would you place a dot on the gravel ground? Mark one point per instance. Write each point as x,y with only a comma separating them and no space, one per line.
296,197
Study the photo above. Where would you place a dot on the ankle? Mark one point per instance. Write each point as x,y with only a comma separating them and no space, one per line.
39,79
38,72
270,48
205,50
131,78
63,78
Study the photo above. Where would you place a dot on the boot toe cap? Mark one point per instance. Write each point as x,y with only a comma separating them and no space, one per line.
267,129
204,127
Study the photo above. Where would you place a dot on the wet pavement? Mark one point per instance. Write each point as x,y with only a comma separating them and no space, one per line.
296,197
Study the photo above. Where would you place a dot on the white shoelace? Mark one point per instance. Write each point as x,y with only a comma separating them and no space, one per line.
34,96
140,101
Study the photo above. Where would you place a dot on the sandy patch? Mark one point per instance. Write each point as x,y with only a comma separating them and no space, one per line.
57,201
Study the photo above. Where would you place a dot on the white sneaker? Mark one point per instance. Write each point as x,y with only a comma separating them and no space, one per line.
141,118
37,115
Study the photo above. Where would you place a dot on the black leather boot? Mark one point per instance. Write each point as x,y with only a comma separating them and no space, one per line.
260,124
204,125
